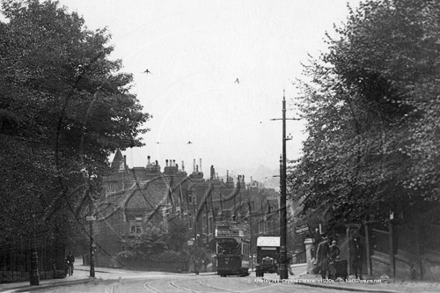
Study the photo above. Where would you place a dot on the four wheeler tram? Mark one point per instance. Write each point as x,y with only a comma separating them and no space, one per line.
232,249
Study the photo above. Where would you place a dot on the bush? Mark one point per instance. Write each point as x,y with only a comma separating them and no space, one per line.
127,256
169,256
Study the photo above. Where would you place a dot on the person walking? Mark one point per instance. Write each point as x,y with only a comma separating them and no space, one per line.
333,254
70,260
322,255
334,251
357,257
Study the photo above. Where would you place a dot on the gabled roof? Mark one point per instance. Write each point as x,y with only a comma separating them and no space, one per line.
117,159
146,196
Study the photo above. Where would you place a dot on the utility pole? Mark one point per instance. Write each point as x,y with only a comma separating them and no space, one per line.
283,217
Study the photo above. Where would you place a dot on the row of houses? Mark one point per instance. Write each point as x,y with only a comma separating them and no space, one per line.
140,196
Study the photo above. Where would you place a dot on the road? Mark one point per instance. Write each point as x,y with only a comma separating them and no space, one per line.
184,283
112,280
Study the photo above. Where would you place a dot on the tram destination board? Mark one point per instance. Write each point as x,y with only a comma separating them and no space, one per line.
227,233
228,229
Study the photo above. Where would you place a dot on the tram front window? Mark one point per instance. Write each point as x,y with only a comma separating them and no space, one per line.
228,246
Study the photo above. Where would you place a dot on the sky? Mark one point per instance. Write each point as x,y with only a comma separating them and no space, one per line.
196,50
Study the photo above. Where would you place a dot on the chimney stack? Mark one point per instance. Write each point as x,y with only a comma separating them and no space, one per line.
194,165
212,173
201,165
166,163
148,160
183,166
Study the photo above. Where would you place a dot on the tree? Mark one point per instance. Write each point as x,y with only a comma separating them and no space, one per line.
151,242
64,108
178,235
370,108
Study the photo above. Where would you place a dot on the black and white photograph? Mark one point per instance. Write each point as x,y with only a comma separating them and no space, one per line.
242,146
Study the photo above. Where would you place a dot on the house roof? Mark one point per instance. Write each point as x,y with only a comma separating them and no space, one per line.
117,159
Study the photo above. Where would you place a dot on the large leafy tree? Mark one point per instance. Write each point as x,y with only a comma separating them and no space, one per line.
64,108
371,106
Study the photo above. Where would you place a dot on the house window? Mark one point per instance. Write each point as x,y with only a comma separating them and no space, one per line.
135,225
262,227
210,221
190,221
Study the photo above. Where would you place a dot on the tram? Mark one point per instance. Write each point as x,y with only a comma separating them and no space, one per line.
232,249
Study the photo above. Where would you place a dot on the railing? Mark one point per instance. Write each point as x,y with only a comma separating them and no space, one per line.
15,261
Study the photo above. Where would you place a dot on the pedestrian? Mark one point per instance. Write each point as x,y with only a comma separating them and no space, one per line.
357,257
322,256
333,254
70,260
334,251
196,265
66,267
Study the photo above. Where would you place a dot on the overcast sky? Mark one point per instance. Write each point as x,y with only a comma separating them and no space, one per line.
195,51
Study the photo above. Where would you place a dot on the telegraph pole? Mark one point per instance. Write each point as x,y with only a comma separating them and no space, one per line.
283,219
283,216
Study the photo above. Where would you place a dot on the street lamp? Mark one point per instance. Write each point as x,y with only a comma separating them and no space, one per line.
91,218
34,274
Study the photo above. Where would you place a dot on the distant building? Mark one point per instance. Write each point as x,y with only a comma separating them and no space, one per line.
137,196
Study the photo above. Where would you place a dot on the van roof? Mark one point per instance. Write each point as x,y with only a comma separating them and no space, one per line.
273,241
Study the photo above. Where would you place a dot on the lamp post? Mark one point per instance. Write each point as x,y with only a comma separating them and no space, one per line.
91,218
92,243
34,274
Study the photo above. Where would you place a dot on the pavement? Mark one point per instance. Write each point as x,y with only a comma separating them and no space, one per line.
300,277
369,283
81,275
